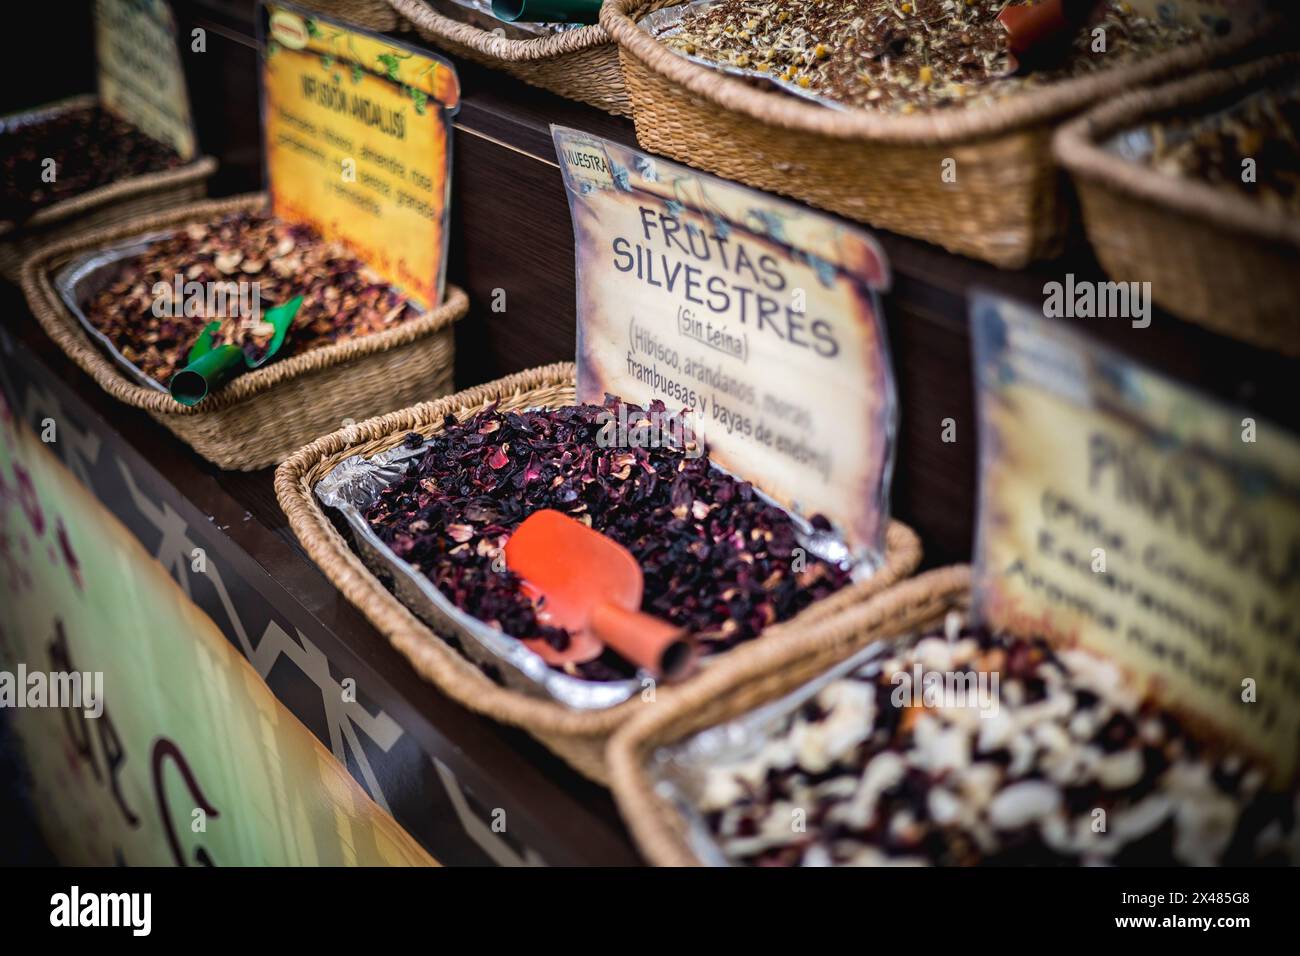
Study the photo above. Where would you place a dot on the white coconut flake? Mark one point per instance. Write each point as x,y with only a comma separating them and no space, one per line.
1023,803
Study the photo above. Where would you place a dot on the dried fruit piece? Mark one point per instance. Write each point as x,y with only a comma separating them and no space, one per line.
717,560
1260,133
89,148
238,263
965,747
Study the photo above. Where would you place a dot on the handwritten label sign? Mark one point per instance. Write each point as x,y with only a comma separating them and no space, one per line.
1144,521
759,316
358,142
182,755
140,75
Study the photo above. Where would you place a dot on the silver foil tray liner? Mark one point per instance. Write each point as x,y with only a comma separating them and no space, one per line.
677,771
354,485
667,22
20,119
85,277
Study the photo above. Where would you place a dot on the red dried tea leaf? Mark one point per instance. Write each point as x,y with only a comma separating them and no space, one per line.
89,147
338,303
716,559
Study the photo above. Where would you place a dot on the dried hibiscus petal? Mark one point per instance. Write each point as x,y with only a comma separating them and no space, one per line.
88,146
716,558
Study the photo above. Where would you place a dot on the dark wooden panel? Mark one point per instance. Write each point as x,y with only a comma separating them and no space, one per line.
511,246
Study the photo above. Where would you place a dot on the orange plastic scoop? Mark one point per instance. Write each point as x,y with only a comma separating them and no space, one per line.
1029,25
592,586
1039,34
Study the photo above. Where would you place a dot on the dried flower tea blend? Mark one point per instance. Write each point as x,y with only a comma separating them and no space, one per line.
1062,761
1264,128
717,559
900,56
90,148
235,255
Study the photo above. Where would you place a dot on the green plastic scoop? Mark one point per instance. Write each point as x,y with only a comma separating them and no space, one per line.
547,11
209,367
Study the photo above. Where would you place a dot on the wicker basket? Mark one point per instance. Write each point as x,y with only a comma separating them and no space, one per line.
1211,255
657,826
1007,206
261,417
374,15
579,736
105,206
578,64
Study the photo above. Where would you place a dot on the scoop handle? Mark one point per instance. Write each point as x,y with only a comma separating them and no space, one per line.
1045,28
663,649
1031,26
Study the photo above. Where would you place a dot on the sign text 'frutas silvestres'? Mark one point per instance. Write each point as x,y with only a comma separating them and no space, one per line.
757,315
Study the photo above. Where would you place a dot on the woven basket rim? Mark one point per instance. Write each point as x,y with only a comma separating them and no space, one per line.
200,167
1077,148
888,614
487,43
61,326
1016,112
431,656
70,101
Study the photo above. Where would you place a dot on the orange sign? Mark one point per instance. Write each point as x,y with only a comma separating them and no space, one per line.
358,143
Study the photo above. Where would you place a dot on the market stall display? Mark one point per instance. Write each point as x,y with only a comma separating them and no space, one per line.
102,158
262,416
705,447
108,172
675,574
717,555
1106,684
573,717
1046,757
978,180
321,300
579,63
1192,187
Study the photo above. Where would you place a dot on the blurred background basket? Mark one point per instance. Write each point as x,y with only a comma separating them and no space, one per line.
659,828
374,15
578,736
259,418
113,203
1212,255
1006,207
579,64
